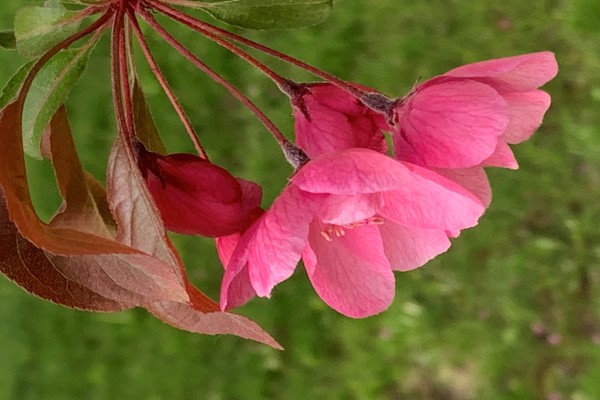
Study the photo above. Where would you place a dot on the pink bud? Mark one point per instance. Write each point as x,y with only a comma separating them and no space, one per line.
197,197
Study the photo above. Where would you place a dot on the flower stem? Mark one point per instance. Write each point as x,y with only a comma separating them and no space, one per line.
203,27
124,72
117,84
280,81
282,140
165,85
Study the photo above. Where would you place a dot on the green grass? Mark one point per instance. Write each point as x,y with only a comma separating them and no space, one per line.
460,328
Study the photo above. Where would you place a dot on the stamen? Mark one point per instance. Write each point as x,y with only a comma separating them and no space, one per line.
330,230
339,231
326,235
367,221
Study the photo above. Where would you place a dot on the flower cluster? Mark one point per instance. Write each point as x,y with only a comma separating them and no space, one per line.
353,211
353,214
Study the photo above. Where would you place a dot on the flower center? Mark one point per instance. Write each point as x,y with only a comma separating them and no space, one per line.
330,231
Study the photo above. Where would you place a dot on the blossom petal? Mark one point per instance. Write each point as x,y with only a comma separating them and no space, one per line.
351,171
279,239
431,201
334,98
404,151
502,157
239,288
233,251
518,73
527,111
326,131
453,124
336,120
350,273
408,247
348,209
473,179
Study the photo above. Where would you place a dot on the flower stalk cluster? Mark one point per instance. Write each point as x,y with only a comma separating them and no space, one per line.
353,210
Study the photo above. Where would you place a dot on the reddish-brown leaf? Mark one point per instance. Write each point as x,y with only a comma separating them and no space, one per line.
99,195
118,272
18,200
30,268
79,210
140,226
75,261
186,317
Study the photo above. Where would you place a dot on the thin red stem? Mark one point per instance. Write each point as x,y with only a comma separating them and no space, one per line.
282,140
280,81
117,85
165,85
203,27
123,70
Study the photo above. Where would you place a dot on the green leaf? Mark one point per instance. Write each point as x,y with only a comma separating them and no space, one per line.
269,14
8,40
10,90
39,28
48,92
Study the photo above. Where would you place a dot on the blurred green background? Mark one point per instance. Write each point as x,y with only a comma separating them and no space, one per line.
510,312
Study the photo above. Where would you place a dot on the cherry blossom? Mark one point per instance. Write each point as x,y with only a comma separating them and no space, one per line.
354,216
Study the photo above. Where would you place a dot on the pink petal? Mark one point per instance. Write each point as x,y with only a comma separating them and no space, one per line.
350,273
409,248
351,171
327,131
239,291
233,251
368,132
334,98
473,179
404,151
225,247
239,288
347,209
279,239
527,110
431,201
336,120
519,73
502,157
453,124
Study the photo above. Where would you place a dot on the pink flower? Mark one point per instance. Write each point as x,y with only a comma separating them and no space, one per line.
354,216
329,119
468,116
197,197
